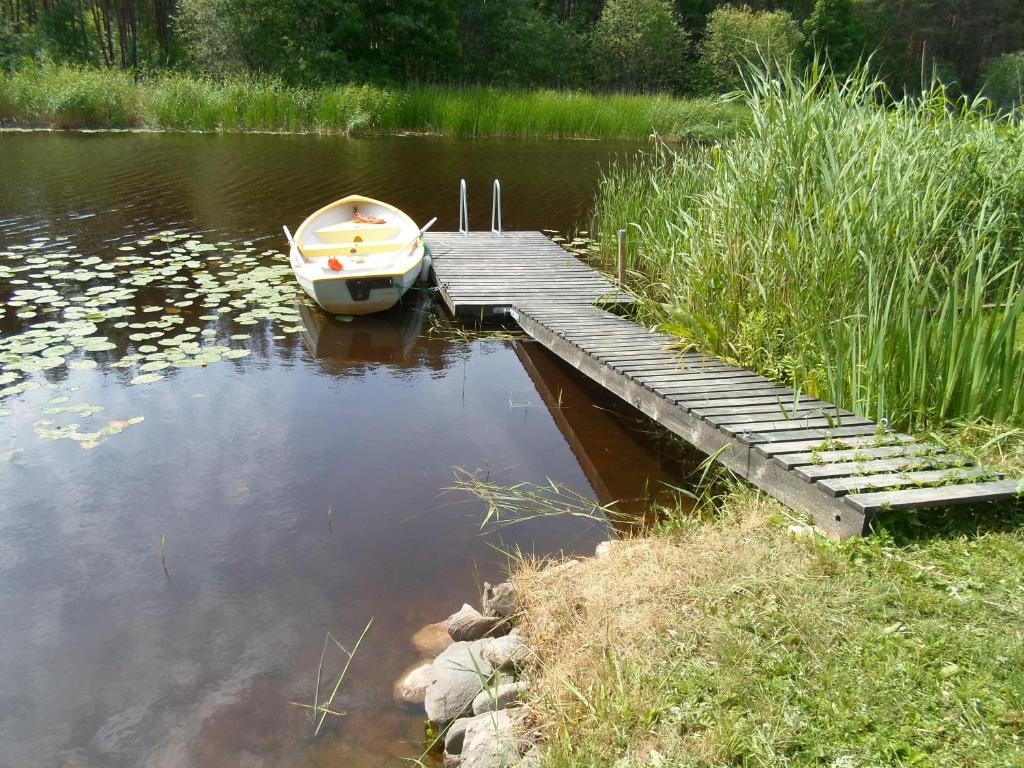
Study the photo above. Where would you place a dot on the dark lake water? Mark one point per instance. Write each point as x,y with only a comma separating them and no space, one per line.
163,388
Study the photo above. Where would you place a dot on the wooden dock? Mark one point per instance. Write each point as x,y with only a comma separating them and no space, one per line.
481,275
837,467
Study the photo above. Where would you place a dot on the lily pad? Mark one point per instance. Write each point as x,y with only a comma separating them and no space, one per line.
147,378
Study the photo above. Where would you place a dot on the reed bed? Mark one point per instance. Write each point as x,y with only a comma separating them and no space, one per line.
70,97
864,249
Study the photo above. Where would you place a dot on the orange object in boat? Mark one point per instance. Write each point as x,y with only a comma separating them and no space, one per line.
361,219
334,264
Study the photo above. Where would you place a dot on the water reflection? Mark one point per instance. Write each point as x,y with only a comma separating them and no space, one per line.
104,661
388,338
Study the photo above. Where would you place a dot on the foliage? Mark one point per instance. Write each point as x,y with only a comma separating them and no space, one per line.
739,39
833,28
514,44
870,255
1003,81
12,48
635,44
84,97
638,45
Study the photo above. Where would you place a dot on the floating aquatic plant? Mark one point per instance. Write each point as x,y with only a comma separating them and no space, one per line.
67,302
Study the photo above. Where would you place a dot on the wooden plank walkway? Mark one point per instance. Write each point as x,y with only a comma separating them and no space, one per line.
481,274
837,467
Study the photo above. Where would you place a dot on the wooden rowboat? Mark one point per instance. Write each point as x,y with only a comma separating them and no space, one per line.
358,255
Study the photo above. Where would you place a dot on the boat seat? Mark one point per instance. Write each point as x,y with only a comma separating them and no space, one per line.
348,231
354,249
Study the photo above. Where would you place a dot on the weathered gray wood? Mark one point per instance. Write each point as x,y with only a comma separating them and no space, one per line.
676,377
713,404
799,422
651,369
908,450
842,485
820,443
768,413
813,472
755,438
690,393
941,496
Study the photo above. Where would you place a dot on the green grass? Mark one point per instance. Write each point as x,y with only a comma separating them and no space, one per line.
728,642
869,254
69,97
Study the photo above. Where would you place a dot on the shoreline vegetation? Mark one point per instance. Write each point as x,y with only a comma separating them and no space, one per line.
69,97
868,252
872,253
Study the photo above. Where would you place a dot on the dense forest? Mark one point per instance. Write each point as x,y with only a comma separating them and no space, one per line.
686,46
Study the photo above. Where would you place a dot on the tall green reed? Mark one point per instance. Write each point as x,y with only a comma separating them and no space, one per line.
72,97
864,248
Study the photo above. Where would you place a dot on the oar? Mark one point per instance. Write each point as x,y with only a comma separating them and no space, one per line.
295,245
419,234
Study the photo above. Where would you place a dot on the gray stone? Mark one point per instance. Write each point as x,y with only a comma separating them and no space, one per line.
500,600
508,652
605,547
430,640
469,624
451,761
411,687
491,741
459,674
454,736
498,697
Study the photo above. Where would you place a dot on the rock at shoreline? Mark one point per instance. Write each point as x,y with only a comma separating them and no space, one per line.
501,696
491,741
500,600
459,674
469,624
508,652
605,547
411,687
454,736
432,639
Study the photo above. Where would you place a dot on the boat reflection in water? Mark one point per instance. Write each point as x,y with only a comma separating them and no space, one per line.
389,338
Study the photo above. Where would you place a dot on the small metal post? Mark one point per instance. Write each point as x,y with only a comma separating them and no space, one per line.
622,259
496,208
463,209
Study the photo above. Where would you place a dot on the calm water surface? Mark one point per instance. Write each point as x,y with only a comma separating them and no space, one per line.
164,383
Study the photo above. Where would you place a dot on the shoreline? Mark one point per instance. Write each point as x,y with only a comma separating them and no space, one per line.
51,128
65,97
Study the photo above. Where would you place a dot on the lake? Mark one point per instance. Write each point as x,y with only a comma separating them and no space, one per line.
201,475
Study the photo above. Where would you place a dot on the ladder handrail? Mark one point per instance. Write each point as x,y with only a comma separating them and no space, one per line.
496,207
463,209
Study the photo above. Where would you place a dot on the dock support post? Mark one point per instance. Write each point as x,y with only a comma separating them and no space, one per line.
622,259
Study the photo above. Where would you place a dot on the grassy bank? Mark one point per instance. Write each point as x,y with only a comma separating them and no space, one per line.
68,97
729,642
869,254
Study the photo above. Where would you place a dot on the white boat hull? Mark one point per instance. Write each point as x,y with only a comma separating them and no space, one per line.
352,294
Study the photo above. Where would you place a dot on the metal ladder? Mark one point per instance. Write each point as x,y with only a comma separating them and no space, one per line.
495,208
